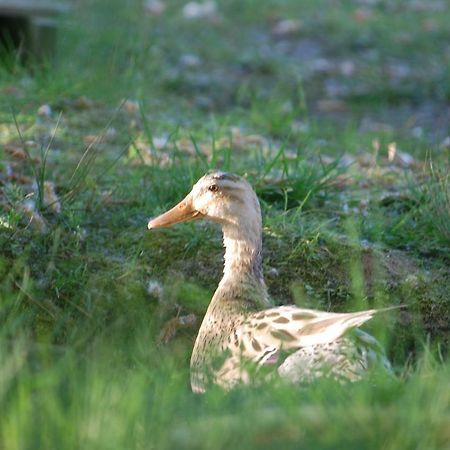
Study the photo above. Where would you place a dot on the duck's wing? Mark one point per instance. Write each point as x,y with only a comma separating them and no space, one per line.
262,335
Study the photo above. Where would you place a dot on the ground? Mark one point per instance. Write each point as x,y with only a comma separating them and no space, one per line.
338,114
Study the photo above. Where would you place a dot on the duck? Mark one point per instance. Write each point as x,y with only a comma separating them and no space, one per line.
243,336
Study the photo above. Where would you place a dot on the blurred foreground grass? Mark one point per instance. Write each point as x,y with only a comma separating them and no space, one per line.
136,397
338,114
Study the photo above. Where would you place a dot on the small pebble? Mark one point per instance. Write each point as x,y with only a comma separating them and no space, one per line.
287,27
154,7
196,10
445,144
154,289
190,60
44,110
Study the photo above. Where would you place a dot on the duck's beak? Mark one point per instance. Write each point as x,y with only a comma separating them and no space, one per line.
182,212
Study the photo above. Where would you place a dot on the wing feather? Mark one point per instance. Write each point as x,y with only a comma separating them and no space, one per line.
289,328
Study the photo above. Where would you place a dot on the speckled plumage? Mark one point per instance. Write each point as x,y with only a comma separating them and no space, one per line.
242,334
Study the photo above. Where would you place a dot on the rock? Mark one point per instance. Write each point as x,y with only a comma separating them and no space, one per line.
190,60
196,10
154,7
44,110
445,144
347,68
287,27
154,289
331,105
131,106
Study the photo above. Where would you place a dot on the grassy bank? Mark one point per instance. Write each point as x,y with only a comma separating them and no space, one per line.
337,112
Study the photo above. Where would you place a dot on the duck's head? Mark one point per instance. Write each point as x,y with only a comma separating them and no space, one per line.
222,197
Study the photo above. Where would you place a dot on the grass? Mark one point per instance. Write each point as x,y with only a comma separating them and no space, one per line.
143,404
343,139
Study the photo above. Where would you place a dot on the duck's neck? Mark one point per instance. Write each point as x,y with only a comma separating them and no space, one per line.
243,253
241,291
243,284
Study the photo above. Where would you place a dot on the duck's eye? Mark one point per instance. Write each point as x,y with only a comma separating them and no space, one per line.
213,188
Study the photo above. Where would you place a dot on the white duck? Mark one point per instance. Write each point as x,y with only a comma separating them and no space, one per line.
242,331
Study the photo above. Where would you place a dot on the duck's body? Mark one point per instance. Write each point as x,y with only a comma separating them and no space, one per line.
242,332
